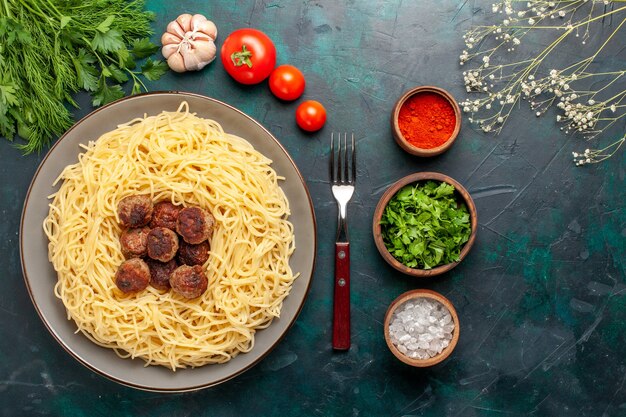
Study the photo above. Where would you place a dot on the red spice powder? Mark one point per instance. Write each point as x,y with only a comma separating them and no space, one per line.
426,120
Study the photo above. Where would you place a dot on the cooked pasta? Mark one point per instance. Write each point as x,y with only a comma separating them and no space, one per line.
188,160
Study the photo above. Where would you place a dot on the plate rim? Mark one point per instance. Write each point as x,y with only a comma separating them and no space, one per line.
84,362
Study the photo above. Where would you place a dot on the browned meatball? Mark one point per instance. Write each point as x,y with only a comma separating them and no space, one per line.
162,244
134,241
133,275
135,210
193,254
160,273
165,215
194,224
189,281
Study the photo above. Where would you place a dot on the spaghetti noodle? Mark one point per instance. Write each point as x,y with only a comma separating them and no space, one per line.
187,160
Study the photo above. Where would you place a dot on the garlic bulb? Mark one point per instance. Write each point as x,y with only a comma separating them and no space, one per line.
188,43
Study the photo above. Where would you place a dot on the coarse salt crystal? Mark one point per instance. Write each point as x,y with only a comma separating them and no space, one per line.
421,328
423,345
426,337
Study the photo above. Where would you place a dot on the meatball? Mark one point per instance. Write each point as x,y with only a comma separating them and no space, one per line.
135,210
193,254
165,215
194,224
189,281
160,273
133,275
134,242
162,244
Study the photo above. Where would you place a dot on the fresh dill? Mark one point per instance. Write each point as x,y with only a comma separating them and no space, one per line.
50,49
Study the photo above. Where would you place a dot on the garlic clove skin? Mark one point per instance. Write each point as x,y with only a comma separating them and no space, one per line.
198,54
206,52
189,57
196,19
169,38
169,49
174,28
199,23
184,20
176,63
193,35
199,36
188,44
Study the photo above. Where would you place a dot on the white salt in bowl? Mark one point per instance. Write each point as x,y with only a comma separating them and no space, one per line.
418,318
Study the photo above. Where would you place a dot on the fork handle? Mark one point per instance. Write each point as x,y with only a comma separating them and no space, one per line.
341,301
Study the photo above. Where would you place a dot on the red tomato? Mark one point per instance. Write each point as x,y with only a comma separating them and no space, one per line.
248,55
287,82
311,115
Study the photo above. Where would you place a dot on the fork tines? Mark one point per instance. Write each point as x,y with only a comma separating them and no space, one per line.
345,173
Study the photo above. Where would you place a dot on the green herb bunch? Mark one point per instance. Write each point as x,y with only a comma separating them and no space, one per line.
424,225
50,49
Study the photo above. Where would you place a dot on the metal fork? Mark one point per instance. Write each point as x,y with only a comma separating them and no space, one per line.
342,179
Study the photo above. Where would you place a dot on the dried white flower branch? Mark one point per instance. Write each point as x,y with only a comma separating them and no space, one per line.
589,101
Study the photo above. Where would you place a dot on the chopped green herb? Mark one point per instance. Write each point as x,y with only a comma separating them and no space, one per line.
424,225
50,49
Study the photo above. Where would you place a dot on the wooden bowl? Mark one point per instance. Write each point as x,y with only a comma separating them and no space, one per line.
461,193
410,148
413,294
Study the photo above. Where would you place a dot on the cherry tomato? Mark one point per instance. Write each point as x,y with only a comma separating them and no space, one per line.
287,82
248,55
311,115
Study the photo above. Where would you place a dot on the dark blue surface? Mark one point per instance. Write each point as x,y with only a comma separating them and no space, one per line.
541,297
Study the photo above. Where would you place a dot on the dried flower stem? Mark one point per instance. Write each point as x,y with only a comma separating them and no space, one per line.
501,83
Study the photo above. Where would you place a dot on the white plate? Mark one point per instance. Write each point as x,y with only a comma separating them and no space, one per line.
40,276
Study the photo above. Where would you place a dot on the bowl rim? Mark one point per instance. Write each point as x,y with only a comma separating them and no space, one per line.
412,149
391,191
422,293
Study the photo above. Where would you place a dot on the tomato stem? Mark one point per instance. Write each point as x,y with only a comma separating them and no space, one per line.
242,57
